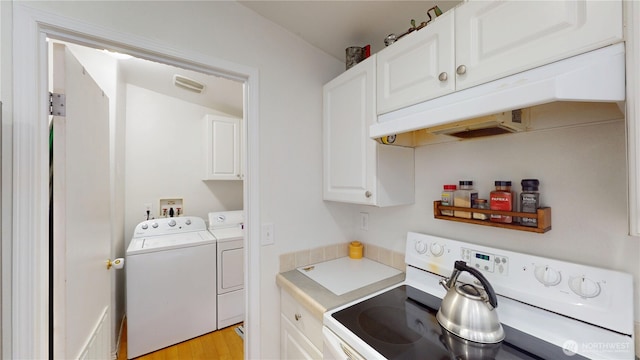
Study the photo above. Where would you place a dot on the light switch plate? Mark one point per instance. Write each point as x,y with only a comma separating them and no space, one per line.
364,221
268,236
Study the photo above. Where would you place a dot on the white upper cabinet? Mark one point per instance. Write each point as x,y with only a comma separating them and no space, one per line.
356,168
495,39
418,67
481,41
223,148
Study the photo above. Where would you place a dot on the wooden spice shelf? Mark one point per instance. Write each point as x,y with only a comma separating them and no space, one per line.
543,215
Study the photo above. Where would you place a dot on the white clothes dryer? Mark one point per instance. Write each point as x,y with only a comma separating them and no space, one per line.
171,291
228,229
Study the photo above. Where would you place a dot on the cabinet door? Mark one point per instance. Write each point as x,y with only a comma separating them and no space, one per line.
293,344
495,39
349,153
222,154
417,67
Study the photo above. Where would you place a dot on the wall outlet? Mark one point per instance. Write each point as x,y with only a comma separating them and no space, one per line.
364,221
148,213
268,237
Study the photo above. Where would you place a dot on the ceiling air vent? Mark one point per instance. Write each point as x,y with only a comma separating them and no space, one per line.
188,84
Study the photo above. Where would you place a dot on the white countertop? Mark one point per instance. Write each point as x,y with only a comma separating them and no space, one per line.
343,275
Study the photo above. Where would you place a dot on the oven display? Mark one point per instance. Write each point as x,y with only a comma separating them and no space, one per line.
482,262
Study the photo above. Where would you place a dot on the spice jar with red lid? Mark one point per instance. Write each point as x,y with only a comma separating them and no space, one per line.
447,198
501,199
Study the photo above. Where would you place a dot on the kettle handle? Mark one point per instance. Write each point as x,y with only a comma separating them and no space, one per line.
462,266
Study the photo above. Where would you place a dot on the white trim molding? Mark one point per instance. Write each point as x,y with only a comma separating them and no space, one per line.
30,283
632,36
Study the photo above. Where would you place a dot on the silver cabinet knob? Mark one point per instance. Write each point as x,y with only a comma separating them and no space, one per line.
298,316
443,76
461,70
368,194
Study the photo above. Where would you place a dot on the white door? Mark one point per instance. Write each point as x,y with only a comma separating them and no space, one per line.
81,214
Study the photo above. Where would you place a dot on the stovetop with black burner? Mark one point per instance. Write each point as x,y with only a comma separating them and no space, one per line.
401,324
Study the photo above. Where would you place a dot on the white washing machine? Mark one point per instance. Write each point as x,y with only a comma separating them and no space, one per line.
171,291
228,229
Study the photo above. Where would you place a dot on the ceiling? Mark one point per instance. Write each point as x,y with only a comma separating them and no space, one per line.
330,25
334,25
219,93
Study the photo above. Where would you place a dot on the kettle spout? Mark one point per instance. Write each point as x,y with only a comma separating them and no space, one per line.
451,281
444,283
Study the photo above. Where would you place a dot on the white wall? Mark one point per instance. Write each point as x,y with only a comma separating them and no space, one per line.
583,176
165,158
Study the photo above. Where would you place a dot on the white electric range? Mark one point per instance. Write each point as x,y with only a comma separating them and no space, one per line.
550,309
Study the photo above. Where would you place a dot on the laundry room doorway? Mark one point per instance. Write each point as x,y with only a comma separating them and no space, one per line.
31,313
161,124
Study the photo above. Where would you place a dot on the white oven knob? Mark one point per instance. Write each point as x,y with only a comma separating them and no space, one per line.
436,249
584,287
420,247
547,276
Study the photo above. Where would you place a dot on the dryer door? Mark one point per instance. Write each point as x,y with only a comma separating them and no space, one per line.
230,266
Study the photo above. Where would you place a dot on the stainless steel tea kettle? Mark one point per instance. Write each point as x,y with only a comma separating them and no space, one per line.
468,311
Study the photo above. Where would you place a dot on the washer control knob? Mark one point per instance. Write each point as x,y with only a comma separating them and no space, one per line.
436,249
188,222
154,225
547,276
172,223
421,247
584,287
144,226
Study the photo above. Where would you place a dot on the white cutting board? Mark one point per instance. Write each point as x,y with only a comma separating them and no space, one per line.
345,274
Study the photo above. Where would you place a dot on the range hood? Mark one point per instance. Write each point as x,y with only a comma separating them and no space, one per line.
596,76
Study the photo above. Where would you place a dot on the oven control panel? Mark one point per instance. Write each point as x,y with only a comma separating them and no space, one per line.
486,261
599,296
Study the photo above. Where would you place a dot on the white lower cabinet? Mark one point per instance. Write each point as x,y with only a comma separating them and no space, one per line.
300,331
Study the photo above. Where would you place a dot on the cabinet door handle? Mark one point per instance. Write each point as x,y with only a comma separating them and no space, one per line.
368,194
443,76
298,316
461,70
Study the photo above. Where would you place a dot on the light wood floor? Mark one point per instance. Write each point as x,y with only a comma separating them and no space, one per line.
224,344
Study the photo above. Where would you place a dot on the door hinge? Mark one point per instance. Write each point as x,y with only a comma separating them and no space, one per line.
57,104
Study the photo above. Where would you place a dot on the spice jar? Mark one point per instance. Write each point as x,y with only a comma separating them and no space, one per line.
481,204
464,197
529,201
501,199
447,198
